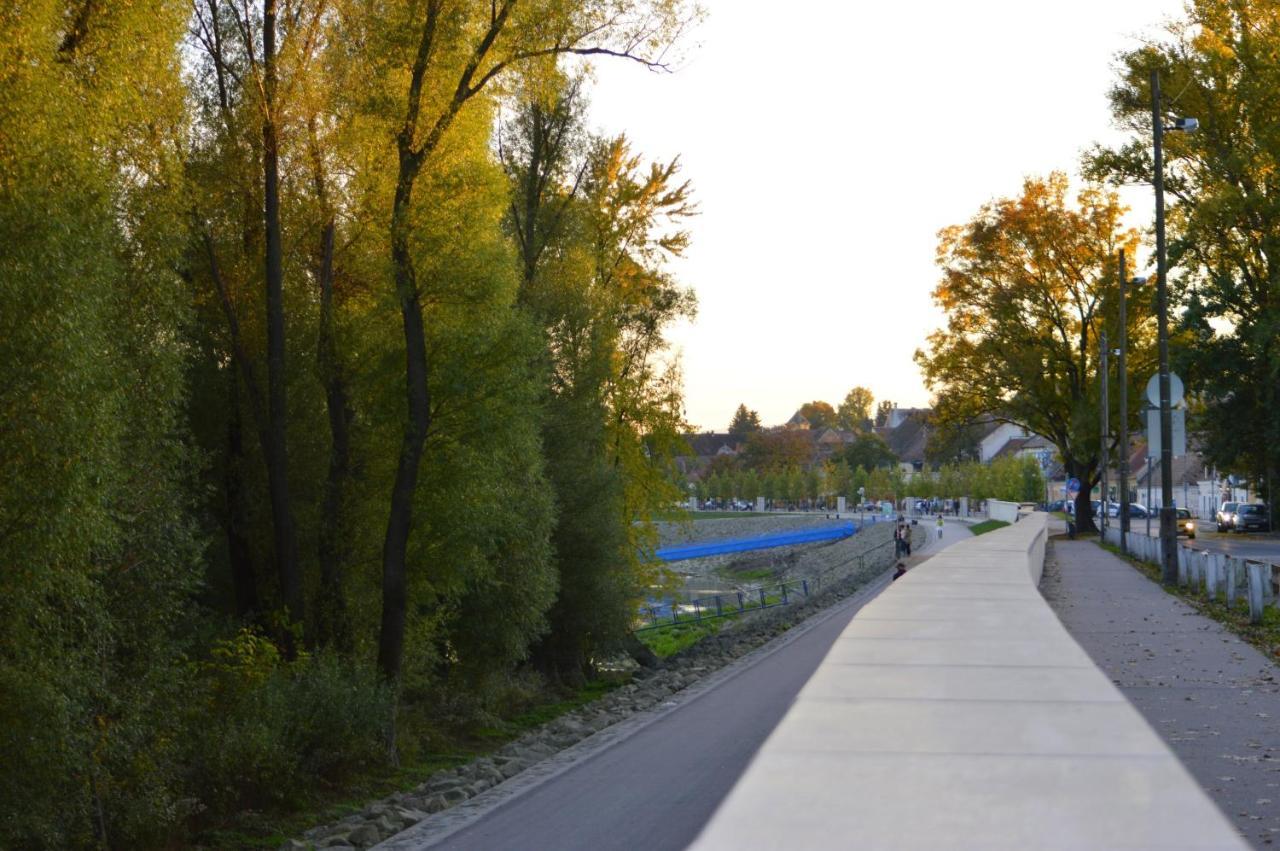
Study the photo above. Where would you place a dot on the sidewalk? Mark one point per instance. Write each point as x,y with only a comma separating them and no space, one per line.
1213,698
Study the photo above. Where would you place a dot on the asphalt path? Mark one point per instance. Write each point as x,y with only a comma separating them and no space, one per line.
659,787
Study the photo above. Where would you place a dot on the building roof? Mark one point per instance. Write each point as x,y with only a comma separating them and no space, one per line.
798,420
910,437
714,443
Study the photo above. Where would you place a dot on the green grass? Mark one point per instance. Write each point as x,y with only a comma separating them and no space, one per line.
668,640
987,526
512,728
265,830
1265,636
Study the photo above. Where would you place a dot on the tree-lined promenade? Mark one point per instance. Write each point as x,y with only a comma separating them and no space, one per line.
338,404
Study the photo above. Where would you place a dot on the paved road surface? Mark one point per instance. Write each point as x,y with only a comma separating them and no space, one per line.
1214,699
656,789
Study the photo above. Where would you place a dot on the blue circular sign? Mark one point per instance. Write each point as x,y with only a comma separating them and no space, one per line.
1073,485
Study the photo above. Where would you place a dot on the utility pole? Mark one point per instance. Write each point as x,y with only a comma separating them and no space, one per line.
1104,503
1123,378
1168,534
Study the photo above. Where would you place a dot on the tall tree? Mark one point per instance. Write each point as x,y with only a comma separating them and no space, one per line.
100,553
466,50
883,410
594,228
1026,287
744,421
854,413
1217,63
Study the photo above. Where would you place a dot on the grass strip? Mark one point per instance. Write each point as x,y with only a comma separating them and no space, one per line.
987,526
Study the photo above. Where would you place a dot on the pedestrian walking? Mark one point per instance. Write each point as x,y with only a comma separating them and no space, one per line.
939,527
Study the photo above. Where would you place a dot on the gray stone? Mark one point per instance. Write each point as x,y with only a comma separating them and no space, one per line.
512,767
444,784
435,804
365,835
413,815
295,845
334,840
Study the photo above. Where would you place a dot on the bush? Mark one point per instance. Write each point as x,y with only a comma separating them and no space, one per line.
270,729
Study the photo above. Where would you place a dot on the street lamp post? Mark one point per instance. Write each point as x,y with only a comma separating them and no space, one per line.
1168,531
1124,406
1104,507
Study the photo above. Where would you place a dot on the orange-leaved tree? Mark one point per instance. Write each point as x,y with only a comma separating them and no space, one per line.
1028,286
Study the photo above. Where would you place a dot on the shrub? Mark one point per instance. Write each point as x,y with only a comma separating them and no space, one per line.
271,729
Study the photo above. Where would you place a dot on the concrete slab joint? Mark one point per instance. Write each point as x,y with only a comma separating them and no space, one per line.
955,711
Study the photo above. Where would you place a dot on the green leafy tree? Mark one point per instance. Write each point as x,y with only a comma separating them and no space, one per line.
596,227
854,413
1217,63
776,450
869,451
883,410
100,550
744,421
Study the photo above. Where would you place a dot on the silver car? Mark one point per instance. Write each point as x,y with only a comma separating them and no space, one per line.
1227,516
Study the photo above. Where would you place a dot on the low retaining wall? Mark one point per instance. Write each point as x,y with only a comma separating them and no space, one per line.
955,711
998,509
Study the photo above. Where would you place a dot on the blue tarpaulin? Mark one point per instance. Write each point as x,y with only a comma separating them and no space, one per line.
761,542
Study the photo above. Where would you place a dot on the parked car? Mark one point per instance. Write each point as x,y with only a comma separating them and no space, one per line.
1137,510
1251,517
1226,515
1113,508
1186,524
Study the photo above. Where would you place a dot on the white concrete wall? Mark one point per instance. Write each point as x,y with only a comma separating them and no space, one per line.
955,711
998,509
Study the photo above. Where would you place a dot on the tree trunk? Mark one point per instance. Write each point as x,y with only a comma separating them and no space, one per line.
277,448
418,421
332,626
1084,504
244,579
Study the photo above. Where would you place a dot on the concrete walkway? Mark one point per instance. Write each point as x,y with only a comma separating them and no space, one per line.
1214,699
955,711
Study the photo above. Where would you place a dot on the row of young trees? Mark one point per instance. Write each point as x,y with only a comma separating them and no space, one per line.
1013,478
1031,282
334,386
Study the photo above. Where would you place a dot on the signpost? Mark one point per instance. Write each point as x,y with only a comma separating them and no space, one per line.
1178,417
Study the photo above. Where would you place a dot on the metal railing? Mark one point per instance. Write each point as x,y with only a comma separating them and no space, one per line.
730,604
724,605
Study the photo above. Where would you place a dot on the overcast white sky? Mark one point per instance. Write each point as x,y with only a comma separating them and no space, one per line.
828,142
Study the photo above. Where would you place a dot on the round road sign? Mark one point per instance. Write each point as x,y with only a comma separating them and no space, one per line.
1175,390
